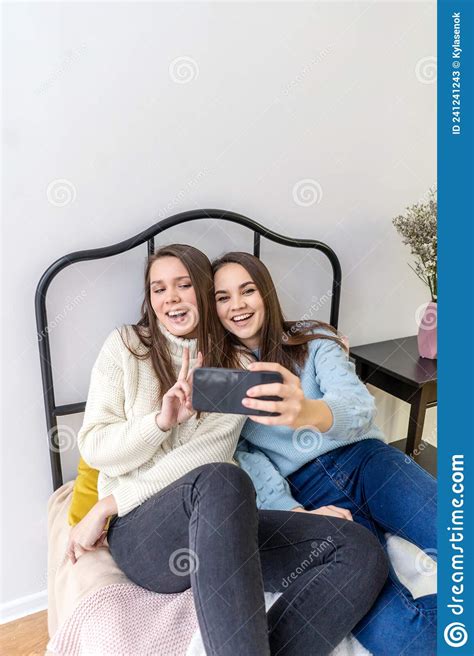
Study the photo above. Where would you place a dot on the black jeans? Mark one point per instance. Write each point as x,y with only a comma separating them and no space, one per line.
205,531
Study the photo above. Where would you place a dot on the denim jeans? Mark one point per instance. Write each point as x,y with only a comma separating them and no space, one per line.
386,491
205,531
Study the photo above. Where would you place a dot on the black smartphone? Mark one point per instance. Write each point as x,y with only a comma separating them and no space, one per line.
222,390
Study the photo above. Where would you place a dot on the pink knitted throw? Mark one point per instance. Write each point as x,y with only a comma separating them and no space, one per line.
124,620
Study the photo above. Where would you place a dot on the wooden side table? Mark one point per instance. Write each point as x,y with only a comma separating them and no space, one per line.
396,367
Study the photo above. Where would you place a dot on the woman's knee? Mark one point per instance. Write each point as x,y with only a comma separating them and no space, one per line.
367,556
224,478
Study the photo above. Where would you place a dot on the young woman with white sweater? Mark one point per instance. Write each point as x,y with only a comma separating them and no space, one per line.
323,453
183,513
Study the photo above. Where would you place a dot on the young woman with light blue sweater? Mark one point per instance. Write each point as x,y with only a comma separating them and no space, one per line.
323,453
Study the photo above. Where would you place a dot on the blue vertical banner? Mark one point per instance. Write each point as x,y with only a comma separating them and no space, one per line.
455,328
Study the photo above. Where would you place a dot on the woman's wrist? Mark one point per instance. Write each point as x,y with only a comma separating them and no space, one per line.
106,506
317,413
162,427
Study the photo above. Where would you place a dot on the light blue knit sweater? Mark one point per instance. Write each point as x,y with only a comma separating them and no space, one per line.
270,453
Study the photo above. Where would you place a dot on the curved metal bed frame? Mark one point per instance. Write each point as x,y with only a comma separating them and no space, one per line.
52,410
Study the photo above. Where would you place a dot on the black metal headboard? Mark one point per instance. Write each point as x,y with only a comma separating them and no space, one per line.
52,410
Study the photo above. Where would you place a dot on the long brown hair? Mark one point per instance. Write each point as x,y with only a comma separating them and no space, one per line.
282,341
210,338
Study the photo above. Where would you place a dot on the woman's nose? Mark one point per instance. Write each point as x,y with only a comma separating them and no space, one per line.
172,297
237,304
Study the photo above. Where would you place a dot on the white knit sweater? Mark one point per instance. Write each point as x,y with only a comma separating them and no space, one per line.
120,437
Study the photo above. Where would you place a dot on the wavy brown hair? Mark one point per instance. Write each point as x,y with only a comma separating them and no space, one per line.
210,338
282,341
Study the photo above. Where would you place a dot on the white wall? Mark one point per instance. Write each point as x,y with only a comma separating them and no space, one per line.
339,93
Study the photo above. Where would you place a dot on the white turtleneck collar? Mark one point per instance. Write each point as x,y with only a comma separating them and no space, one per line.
177,344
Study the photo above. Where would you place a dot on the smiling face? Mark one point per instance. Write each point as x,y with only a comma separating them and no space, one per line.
239,304
173,297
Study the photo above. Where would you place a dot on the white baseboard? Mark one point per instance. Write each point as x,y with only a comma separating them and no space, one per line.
23,606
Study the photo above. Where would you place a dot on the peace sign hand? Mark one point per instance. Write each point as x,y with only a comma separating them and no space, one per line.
176,407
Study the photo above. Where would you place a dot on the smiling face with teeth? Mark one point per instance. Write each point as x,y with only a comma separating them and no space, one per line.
173,297
239,304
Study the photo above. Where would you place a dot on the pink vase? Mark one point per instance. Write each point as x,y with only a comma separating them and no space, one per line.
427,333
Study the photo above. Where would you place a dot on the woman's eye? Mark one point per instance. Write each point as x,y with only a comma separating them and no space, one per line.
185,286
222,298
158,291
249,291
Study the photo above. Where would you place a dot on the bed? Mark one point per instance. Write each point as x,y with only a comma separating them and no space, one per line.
92,607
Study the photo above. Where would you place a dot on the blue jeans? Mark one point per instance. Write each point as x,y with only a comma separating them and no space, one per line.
204,531
387,492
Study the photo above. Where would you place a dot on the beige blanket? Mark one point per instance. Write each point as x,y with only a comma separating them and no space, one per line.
68,584
95,610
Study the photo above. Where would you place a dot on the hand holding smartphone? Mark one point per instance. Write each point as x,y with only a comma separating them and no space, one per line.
222,390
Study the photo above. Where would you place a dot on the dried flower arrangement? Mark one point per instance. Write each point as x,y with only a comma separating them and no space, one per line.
418,229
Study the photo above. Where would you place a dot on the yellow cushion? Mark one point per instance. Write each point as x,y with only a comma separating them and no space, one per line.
84,494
